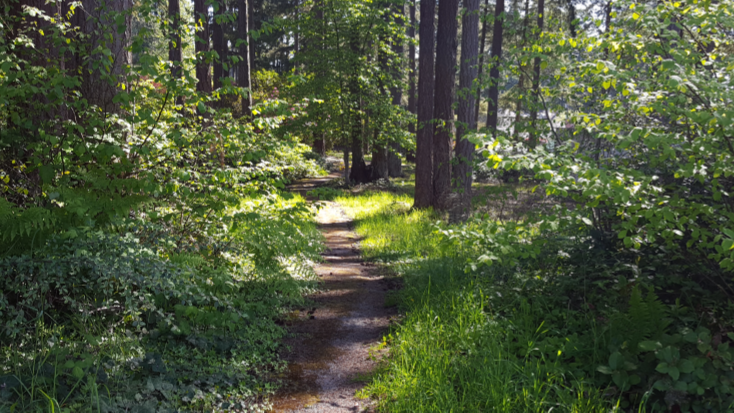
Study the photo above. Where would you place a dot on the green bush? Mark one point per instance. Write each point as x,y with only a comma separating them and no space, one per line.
153,319
517,317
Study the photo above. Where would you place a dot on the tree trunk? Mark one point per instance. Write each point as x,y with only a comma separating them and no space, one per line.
243,69
380,162
494,72
424,135
394,163
174,37
296,35
203,75
412,97
346,165
411,69
359,172
521,81
220,46
535,136
319,143
481,60
253,23
443,98
97,21
380,158
466,116
571,18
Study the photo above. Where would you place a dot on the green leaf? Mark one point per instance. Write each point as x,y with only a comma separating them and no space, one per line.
649,345
47,173
77,372
620,379
686,366
674,372
616,360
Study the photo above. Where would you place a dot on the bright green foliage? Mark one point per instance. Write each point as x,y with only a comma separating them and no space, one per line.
190,321
348,69
514,318
645,148
146,252
456,351
394,233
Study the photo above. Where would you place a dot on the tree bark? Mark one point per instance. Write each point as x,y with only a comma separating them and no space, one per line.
466,116
203,75
481,60
411,69
220,46
571,18
380,162
424,137
253,23
535,136
494,72
394,163
359,172
296,35
243,69
380,159
521,80
96,20
174,37
443,98
412,92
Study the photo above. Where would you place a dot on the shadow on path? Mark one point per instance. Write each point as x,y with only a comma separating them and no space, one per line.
330,355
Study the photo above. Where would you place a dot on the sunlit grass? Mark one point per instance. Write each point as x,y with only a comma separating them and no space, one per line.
390,229
451,353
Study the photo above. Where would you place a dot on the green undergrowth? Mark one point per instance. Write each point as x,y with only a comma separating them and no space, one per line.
139,320
501,317
393,232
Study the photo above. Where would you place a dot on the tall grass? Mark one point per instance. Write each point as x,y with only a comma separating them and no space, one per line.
452,353
391,229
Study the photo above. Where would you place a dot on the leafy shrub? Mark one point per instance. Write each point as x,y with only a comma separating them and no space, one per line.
95,272
193,315
492,306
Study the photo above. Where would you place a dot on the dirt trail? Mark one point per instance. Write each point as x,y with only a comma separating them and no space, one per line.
330,358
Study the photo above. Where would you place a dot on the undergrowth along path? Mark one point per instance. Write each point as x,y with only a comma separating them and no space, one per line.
330,357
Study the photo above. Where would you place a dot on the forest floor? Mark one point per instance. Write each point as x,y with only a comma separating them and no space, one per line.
331,349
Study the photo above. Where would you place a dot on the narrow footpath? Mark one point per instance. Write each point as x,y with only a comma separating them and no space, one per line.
330,348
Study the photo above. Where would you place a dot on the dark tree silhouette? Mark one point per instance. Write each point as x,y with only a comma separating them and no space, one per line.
467,120
443,98
494,72
203,74
424,135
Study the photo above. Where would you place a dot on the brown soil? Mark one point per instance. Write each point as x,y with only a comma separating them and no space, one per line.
330,355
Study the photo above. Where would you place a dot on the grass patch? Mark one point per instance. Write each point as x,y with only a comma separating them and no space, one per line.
515,318
392,231
454,351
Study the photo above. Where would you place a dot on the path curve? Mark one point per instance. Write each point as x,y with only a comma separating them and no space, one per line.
330,349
